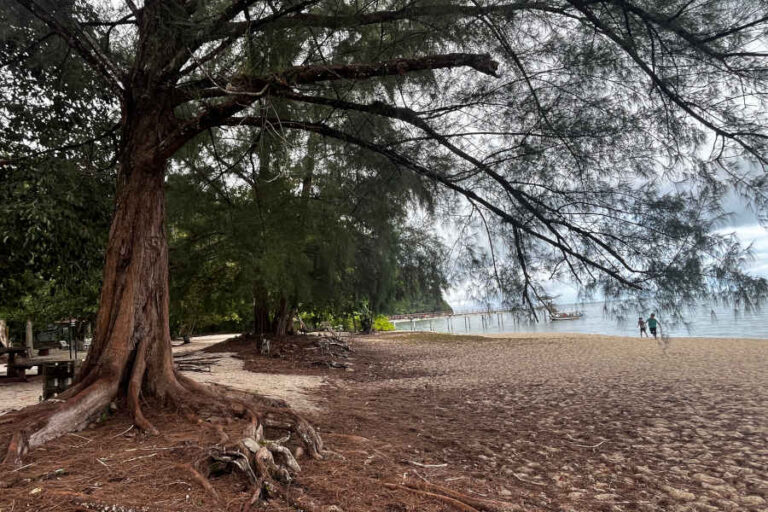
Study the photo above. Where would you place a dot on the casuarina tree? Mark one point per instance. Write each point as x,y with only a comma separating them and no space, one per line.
558,118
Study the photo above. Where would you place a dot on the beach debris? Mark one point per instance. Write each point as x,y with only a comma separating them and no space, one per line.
196,363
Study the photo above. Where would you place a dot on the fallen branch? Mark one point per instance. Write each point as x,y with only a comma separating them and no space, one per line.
593,446
427,465
141,457
123,432
22,467
526,481
576,442
81,437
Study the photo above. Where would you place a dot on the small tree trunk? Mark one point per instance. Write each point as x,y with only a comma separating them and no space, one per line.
289,327
280,322
366,324
3,333
260,313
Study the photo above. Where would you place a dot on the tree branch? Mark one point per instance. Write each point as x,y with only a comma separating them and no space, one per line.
243,91
79,41
699,44
304,75
410,117
407,13
663,85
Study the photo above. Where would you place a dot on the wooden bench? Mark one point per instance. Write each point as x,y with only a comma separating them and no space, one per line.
16,369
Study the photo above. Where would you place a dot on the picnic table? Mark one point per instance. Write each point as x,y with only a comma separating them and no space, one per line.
16,369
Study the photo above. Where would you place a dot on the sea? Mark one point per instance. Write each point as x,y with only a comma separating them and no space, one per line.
706,321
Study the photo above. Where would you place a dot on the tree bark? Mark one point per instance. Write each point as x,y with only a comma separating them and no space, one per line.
261,324
131,350
282,317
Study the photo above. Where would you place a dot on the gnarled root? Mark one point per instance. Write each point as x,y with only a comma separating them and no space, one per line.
41,423
265,450
267,464
49,420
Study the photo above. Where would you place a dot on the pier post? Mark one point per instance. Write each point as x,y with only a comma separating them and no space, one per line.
30,337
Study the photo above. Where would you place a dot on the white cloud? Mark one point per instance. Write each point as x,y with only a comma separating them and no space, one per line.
756,235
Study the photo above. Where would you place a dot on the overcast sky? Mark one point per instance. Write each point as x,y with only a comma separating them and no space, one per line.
743,223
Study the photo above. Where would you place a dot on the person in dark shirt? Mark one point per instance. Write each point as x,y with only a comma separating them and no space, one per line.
641,325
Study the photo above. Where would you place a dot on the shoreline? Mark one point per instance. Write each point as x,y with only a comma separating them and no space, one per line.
551,334
570,334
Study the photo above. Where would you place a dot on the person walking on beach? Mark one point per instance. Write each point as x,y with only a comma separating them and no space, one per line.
641,325
652,324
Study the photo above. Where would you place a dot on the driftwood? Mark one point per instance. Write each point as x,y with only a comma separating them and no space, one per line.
196,363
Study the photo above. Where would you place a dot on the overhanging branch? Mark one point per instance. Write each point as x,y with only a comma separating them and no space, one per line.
412,118
400,160
304,75
412,12
244,91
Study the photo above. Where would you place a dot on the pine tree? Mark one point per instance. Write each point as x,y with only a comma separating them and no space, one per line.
556,117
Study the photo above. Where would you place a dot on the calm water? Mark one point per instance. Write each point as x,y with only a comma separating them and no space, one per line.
725,323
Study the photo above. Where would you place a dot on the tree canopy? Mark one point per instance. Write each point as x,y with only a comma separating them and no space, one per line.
595,138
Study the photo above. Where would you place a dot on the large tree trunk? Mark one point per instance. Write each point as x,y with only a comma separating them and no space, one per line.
131,350
130,356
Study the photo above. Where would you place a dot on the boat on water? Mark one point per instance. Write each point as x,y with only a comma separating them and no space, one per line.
566,316
557,315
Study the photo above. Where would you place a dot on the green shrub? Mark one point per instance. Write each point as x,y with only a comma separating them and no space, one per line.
382,323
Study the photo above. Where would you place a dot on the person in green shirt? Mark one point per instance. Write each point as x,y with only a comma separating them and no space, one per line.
652,324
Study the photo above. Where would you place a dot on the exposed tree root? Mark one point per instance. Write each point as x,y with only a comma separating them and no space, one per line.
456,499
440,497
200,479
482,504
267,463
16,450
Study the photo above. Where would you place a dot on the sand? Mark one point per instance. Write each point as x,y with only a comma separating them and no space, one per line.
541,422
578,422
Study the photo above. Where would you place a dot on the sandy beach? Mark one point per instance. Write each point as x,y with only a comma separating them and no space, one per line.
578,422
538,422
